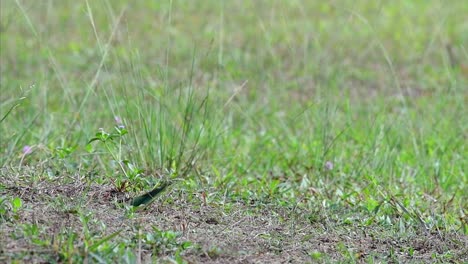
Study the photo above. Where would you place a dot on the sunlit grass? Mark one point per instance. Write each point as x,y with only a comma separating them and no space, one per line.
355,106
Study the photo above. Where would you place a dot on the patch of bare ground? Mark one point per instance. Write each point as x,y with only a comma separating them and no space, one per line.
234,232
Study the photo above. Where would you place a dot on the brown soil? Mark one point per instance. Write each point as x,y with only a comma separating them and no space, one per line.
231,233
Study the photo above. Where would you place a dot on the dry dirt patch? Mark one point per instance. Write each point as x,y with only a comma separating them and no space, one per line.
231,233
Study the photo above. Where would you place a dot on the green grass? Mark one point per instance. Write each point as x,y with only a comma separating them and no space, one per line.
336,116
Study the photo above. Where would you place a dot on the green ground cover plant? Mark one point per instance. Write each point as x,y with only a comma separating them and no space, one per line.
233,131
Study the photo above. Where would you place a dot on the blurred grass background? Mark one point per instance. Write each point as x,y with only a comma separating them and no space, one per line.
367,85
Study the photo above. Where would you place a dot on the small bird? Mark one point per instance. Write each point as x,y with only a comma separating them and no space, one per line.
149,197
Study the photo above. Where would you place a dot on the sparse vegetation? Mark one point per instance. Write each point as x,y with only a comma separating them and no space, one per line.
276,131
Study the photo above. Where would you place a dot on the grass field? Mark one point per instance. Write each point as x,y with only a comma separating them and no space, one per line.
278,131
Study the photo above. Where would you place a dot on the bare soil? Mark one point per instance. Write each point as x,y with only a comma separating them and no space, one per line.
235,232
